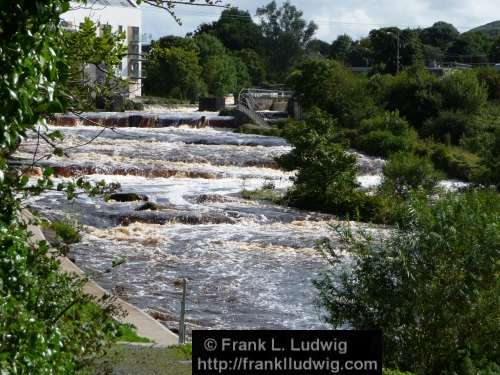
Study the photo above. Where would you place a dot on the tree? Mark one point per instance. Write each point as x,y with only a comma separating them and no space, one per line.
255,64
326,173
42,325
462,91
430,284
326,84
405,172
414,93
361,54
103,53
470,47
317,48
224,74
384,43
385,134
341,48
173,72
286,35
235,29
440,35
495,51
170,41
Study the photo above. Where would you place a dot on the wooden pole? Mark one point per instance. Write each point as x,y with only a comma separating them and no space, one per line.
182,322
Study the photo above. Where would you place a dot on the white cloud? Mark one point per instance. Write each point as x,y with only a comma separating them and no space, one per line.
335,17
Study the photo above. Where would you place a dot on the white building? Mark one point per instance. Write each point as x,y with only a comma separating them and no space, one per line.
123,16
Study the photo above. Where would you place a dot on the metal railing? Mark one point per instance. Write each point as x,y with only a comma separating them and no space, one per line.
247,102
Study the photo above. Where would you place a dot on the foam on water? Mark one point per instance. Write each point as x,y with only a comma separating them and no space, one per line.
249,264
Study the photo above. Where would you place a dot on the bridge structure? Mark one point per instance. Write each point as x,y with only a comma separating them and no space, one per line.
263,106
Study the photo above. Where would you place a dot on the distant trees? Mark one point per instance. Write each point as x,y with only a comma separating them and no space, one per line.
174,72
286,34
384,43
235,29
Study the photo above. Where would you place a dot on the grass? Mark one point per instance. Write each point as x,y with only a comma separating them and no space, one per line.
68,233
124,359
264,194
128,333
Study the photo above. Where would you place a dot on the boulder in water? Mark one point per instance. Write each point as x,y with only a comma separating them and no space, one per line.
149,206
128,197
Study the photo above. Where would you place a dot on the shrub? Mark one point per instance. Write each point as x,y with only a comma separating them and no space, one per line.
327,85
414,94
326,173
67,232
431,284
462,91
45,323
454,161
385,134
405,172
448,127
490,78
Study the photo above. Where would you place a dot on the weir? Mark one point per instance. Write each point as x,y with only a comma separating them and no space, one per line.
250,264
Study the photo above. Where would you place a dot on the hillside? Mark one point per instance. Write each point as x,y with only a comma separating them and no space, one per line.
492,28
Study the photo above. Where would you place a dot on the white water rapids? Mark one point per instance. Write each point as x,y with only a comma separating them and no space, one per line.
248,264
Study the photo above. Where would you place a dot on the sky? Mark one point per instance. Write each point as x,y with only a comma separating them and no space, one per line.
336,17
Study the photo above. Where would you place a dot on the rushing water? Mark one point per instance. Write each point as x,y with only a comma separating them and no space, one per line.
248,264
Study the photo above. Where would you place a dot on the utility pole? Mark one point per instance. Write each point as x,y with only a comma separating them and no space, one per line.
398,53
182,321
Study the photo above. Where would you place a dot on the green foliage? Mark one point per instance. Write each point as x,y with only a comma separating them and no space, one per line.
386,134
449,127
286,35
431,284
329,86
415,95
470,47
267,193
440,35
405,172
208,46
384,43
326,173
41,325
31,63
462,91
235,29
128,333
174,72
255,65
341,48
490,78
103,52
224,74
69,233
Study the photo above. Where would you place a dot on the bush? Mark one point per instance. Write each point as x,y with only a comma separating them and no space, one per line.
327,85
431,285
490,78
454,161
45,322
414,94
462,91
405,172
448,127
386,134
326,173
67,232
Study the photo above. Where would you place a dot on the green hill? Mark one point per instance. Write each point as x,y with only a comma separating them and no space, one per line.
492,28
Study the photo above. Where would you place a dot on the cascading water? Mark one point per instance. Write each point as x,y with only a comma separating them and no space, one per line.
248,264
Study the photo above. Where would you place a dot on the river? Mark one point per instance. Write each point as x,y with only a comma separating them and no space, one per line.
248,264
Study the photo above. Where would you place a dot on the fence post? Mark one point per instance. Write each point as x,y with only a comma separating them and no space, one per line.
182,321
